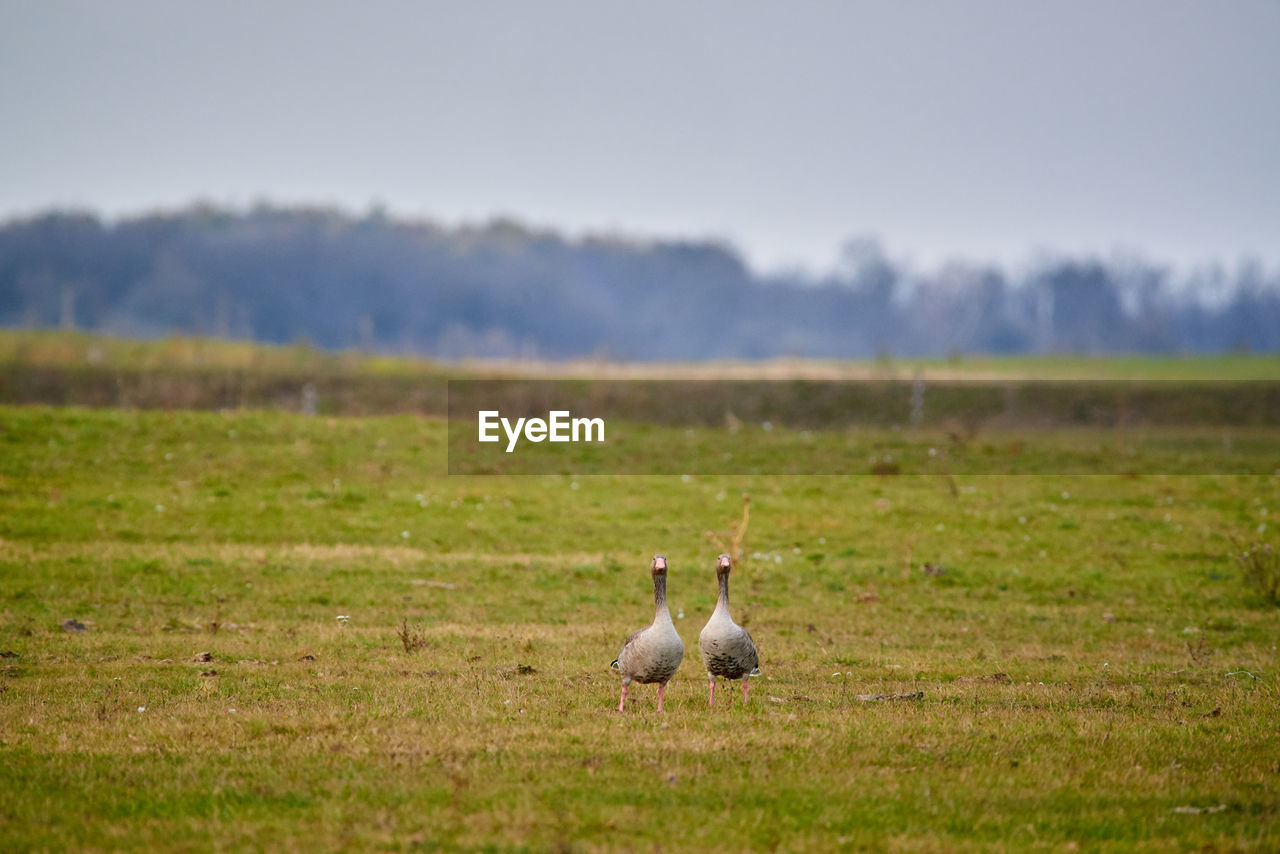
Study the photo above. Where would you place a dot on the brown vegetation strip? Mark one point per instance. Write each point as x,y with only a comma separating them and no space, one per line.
337,552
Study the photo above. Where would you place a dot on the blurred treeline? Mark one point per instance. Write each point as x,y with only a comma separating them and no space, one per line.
505,290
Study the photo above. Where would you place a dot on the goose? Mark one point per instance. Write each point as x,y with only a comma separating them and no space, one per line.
727,648
654,653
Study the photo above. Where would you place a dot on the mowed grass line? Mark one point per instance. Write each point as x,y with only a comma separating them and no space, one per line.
41,348
1088,658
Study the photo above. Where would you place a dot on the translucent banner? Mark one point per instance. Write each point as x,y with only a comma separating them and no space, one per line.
891,427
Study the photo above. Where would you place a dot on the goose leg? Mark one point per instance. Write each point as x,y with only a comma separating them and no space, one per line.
713,689
662,688
622,704
744,691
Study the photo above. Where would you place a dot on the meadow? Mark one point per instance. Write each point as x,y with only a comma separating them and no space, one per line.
258,629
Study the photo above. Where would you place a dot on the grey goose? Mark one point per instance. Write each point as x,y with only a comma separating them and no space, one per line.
652,654
727,648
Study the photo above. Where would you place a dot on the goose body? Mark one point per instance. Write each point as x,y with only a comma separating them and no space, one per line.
652,654
727,648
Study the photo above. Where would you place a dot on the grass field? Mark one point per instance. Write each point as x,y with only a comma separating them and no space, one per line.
1091,670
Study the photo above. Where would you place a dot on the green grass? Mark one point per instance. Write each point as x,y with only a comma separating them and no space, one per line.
66,349
63,349
1090,659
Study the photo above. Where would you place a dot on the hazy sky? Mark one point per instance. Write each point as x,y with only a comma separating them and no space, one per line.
974,129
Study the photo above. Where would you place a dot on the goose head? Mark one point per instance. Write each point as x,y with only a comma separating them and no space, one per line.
659,566
724,564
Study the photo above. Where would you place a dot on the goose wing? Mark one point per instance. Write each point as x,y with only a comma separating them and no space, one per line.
627,646
751,658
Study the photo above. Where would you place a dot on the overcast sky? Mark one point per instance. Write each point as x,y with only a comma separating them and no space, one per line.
986,130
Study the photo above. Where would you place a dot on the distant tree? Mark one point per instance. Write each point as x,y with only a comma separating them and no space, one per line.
962,309
1084,313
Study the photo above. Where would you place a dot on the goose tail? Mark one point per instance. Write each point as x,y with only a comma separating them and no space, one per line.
614,664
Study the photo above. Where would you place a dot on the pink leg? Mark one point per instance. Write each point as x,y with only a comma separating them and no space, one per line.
713,692
662,689
744,691
622,704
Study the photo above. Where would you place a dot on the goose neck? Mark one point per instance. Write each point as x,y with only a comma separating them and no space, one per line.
722,601
659,595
